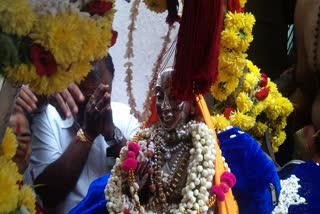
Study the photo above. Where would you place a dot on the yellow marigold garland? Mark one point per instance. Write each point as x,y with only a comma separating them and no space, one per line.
16,17
12,197
9,144
252,105
9,193
73,43
27,198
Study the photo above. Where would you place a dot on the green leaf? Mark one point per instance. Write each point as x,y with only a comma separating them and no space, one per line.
8,51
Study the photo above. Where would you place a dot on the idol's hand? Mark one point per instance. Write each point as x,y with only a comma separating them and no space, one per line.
142,174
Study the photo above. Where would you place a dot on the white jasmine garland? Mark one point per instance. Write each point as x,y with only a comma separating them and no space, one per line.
288,195
52,7
200,175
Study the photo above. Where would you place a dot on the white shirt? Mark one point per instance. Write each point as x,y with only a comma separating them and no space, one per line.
51,137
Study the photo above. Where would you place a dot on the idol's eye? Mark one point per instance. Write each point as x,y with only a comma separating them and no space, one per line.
159,96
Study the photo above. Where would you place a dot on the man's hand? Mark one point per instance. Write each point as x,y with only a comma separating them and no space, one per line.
67,101
19,123
26,101
97,110
23,153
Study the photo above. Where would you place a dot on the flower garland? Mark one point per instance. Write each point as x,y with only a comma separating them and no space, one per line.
245,97
142,116
235,40
288,195
13,197
197,196
46,51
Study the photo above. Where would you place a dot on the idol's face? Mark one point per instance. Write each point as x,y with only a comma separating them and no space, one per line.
171,112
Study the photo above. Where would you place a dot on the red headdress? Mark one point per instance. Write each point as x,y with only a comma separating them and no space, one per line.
197,50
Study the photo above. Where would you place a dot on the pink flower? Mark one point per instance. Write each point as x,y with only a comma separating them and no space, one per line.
228,178
227,112
262,94
129,164
98,7
263,80
134,148
43,60
217,190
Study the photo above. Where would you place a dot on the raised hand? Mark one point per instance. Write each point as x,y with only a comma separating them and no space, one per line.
67,101
19,123
23,153
26,101
97,111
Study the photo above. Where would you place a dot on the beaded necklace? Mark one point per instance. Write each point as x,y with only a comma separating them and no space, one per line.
200,173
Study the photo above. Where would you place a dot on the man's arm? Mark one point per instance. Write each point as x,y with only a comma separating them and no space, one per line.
59,178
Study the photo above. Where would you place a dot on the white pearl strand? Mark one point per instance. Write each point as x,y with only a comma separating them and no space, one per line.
200,171
199,181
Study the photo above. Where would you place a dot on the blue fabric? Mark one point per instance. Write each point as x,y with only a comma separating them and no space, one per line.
254,171
95,201
252,168
309,175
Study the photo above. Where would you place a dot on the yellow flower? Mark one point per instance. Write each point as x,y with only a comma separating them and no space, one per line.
16,17
277,140
250,81
8,184
242,121
280,123
27,198
238,81
157,6
220,122
21,73
224,86
278,106
273,88
9,144
105,27
231,62
243,3
63,38
237,34
230,38
258,108
287,107
259,129
79,70
90,39
253,68
244,103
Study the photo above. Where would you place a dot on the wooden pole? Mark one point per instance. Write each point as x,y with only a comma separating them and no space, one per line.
7,96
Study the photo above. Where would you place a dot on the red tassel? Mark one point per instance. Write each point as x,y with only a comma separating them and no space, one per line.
197,50
234,6
172,7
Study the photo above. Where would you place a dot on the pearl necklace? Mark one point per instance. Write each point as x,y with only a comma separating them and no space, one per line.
168,151
196,193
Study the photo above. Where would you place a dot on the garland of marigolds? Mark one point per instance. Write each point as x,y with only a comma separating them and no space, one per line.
246,98
13,197
46,52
